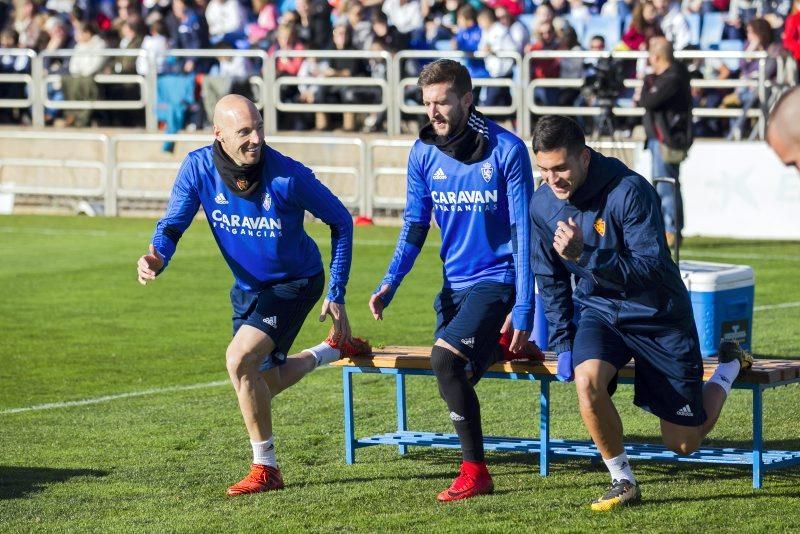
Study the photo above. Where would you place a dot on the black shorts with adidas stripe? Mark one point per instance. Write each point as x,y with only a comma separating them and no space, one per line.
669,366
279,310
470,319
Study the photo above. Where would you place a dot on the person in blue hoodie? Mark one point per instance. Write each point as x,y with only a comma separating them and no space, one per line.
475,177
600,223
255,200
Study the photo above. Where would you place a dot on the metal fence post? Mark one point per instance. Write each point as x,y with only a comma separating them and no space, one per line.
39,89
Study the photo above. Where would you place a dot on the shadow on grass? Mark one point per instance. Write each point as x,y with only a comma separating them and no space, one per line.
19,482
775,445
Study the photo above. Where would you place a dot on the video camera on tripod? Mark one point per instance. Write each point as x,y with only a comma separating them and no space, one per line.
603,84
604,81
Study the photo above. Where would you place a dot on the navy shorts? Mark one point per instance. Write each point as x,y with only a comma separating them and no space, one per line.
669,367
470,320
279,311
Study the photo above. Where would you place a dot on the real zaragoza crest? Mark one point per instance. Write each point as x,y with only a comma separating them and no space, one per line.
487,171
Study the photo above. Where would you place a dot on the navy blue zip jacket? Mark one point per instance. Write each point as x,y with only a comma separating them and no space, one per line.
625,274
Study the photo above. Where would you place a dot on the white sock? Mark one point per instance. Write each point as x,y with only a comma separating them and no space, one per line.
324,353
264,453
725,374
620,468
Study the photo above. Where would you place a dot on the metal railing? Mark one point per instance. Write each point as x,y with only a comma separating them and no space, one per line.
147,93
261,91
384,85
760,84
266,88
15,78
34,164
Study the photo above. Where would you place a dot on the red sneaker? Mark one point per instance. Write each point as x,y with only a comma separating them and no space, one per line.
529,350
260,478
468,484
354,347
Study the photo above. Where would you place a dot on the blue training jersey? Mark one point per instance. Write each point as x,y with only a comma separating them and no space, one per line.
482,211
261,236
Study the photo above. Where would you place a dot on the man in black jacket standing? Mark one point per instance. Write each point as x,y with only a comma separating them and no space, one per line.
667,100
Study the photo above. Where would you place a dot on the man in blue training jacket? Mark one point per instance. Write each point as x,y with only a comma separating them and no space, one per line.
476,179
600,222
255,199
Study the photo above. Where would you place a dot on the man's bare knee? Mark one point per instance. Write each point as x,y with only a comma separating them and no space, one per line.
588,388
683,443
240,362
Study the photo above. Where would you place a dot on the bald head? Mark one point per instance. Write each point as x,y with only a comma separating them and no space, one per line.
660,49
231,106
783,128
239,129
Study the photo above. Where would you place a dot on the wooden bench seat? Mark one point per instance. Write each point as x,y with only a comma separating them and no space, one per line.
762,372
403,361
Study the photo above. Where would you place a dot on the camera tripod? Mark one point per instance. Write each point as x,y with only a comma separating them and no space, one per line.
605,136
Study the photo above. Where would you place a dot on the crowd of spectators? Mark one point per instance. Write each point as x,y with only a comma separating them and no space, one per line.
489,26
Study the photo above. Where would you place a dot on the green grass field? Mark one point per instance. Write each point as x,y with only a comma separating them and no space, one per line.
75,325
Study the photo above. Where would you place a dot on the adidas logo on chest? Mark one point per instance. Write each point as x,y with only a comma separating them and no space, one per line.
439,174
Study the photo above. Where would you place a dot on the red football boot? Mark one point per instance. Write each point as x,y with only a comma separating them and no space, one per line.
354,347
260,478
473,480
529,350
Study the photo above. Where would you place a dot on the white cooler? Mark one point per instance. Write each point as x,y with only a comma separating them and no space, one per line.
722,300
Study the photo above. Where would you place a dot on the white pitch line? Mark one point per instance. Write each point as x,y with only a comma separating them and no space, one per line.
777,306
321,241
737,255
66,231
107,398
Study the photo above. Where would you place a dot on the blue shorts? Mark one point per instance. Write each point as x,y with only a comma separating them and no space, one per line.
470,320
669,367
279,311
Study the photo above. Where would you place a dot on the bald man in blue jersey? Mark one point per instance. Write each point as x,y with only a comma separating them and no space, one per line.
255,200
475,178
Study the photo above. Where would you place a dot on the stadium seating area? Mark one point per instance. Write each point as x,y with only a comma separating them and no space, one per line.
92,29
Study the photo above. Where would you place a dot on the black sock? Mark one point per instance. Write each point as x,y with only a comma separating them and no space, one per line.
461,399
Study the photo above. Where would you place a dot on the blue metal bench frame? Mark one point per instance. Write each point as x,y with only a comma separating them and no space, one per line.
547,448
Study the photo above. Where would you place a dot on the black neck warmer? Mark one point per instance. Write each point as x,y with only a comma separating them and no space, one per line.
466,146
241,180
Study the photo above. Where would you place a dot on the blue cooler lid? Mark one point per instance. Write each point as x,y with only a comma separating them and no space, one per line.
708,277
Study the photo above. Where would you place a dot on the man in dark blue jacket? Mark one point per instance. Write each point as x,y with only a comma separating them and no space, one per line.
600,222
255,201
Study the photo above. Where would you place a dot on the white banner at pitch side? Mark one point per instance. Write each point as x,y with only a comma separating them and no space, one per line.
739,189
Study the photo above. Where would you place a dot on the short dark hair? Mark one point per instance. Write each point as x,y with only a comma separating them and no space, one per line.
554,132
446,71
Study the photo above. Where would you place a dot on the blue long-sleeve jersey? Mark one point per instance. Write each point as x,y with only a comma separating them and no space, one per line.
482,210
261,236
625,273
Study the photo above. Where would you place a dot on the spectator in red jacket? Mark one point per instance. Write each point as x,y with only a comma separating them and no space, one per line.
791,31
545,39
644,25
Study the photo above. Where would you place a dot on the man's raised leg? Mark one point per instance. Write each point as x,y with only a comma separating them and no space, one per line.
732,359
